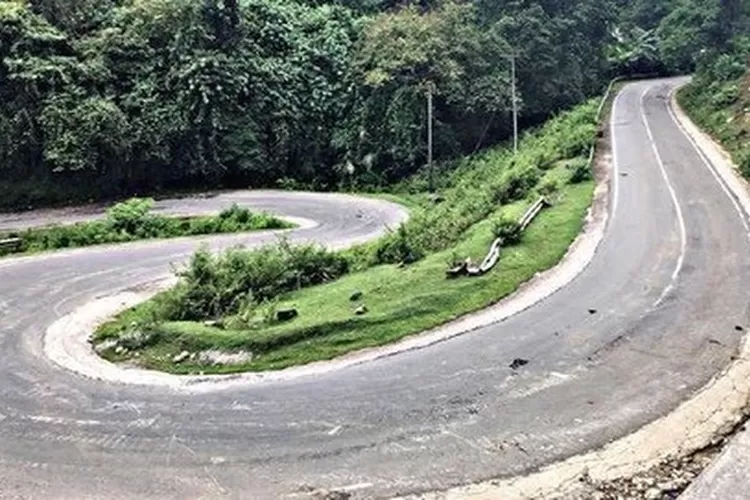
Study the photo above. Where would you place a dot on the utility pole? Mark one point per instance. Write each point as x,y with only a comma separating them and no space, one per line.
431,182
513,98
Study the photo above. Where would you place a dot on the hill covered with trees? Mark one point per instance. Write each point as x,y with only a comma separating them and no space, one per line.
105,98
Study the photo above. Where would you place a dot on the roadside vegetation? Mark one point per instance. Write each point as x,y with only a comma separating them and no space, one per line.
103,99
284,305
134,220
718,100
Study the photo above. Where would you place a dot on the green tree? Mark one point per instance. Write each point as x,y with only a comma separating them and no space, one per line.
405,54
635,52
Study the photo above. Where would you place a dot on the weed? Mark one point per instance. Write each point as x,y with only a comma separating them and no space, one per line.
580,171
507,230
216,285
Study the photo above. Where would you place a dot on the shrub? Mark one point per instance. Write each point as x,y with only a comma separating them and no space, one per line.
130,216
215,285
507,230
132,220
515,185
549,187
398,247
204,225
580,171
236,213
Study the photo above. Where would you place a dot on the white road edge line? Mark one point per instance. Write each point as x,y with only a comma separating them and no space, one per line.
615,163
707,163
713,410
673,195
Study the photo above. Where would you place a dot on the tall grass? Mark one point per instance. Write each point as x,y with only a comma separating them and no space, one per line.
478,185
215,286
212,286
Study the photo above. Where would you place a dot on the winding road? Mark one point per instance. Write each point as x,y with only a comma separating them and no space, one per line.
648,322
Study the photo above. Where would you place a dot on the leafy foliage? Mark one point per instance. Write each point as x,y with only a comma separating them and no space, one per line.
398,247
507,230
635,52
675,35
103,99
107,99
718,99
498,177
133,220
129,216
215,285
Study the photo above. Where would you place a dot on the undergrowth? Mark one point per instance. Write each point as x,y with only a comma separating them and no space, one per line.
718,100
134,220
378,292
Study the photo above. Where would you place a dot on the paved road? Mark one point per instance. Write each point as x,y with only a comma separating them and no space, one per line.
667,285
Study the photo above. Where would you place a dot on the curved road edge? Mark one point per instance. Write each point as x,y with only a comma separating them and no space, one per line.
66,342
715,410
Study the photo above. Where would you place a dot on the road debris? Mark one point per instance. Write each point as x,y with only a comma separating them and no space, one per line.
518,363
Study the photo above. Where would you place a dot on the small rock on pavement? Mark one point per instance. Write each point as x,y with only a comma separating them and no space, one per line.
356,296
181,357
653,494
361,310
286,314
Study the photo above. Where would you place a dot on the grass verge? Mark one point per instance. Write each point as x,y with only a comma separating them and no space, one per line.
718,102
132,220
401,301
378,293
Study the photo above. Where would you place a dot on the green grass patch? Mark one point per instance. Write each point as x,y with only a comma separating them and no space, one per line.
132,220
401,300
376,293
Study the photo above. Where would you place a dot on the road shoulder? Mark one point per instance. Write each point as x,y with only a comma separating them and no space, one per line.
714,411
727,477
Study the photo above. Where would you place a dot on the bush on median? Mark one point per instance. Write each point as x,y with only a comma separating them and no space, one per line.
133,220
212,286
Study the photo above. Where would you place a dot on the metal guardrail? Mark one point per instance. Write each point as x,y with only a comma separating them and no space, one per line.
532,212
493,256
10,245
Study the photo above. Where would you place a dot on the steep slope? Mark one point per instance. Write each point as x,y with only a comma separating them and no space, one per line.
719,101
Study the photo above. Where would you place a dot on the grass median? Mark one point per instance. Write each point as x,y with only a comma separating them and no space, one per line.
133,220
378,293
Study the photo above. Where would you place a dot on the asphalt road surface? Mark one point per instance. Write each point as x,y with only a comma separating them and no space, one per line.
649,321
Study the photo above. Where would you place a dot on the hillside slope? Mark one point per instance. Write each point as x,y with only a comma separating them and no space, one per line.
719,101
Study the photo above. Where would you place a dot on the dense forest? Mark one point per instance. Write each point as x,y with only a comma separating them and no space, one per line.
718,98
105,98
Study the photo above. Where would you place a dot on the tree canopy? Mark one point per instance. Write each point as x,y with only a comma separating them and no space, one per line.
117,97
